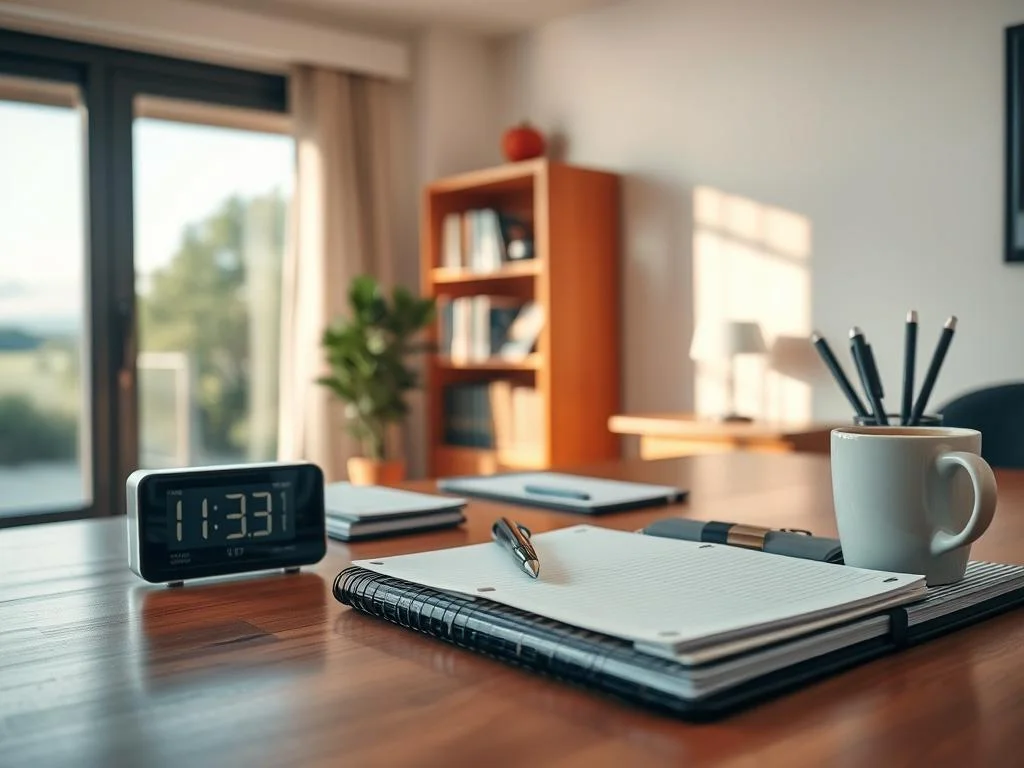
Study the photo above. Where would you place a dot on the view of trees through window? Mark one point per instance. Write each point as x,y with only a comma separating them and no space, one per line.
211,212
205,304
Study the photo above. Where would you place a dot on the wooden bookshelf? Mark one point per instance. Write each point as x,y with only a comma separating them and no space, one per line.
447,276
531,363
573,276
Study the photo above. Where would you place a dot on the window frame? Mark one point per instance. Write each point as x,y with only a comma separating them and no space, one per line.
1013,193
109,81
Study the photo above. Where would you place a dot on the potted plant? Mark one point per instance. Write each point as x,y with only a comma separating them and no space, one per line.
367,353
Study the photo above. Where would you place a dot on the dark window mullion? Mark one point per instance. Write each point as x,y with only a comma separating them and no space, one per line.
39,68
124,410
56,59
101,271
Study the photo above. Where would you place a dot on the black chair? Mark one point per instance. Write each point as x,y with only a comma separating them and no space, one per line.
998,413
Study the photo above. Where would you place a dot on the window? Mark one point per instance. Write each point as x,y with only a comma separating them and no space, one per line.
143,210
211,207
44,403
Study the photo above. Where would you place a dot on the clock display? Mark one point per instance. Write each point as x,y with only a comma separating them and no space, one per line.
195,522
218,516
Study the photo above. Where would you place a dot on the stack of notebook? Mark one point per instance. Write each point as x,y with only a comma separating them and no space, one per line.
366,511
693,628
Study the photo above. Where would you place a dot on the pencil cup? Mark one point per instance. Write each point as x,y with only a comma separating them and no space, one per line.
926,420
911,499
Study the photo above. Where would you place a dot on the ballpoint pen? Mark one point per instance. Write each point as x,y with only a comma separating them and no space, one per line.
909,355
875,380
838,373
865,361
516,539
562,493
933,370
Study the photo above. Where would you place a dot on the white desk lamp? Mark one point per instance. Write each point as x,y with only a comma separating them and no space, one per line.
715,342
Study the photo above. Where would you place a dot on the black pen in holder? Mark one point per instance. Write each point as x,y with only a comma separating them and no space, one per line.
893,419
912,411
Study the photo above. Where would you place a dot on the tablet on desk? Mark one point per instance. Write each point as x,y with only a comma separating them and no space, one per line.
565,492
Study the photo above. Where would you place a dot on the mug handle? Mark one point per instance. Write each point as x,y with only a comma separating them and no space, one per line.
984,482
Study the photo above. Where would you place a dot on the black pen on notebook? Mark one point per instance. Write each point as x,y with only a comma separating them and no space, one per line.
561,493
909,358
825,351
516,539
933,370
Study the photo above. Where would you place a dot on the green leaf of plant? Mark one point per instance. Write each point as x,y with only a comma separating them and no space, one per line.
367,354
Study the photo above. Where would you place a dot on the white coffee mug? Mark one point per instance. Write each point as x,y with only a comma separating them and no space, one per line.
911,499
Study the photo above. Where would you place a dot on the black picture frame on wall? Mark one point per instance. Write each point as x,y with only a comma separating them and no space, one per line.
1014,212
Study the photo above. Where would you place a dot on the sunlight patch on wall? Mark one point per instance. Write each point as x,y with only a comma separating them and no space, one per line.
753,262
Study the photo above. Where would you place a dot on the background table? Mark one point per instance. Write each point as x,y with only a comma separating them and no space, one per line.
671,435
100,669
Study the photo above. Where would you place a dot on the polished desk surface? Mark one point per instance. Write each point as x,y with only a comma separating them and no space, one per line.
99,669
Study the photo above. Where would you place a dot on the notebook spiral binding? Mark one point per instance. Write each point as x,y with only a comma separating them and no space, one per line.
611,666
569,654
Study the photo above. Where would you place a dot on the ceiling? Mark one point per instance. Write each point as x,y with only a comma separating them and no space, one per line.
490,17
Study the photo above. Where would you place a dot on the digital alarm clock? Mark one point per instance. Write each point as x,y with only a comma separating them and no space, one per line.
214,521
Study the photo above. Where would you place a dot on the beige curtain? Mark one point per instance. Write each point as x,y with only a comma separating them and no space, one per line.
339,230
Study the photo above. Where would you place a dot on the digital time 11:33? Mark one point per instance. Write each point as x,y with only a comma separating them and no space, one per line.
214,516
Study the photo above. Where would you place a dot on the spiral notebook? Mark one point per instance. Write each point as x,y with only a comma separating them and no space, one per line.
656,633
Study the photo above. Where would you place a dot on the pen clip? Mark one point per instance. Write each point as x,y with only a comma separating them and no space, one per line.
512,526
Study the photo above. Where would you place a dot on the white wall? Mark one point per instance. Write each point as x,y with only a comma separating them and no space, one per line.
872,130
454,99
457,100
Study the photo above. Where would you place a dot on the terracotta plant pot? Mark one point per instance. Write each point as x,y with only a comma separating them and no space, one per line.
362,471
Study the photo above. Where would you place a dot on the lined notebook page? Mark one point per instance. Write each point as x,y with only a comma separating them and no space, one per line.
650,590
361,502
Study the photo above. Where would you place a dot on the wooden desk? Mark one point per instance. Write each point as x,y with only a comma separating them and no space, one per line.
671,435
99,669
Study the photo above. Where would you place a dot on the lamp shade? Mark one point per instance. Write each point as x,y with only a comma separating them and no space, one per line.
794,358
724,339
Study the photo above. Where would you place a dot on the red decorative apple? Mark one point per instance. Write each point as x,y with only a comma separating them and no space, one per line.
522,142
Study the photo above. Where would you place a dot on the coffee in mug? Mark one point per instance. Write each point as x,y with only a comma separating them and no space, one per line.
911,499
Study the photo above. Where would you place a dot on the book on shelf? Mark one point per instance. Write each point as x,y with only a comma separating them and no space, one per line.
498,415
523,332
484,239
467,416
480,328
517,417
